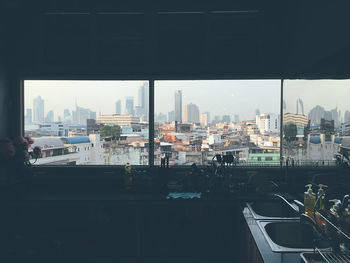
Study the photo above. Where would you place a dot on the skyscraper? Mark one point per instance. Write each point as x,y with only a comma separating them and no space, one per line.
171,116
226,118
143,98
118,107
38,110
191,113
204,119
29,116
129,105
178,105
49,116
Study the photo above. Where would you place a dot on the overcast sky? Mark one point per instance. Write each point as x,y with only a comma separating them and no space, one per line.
326,93
219,97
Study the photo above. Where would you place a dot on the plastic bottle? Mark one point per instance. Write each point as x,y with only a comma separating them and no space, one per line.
309,201
321,205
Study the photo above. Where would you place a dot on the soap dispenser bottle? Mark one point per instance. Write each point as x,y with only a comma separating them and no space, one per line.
309,201
321,197
321,206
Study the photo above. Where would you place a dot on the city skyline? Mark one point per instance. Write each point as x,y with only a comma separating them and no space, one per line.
101,96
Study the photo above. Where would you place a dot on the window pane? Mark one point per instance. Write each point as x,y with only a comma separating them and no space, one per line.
198,119
88,122
316,121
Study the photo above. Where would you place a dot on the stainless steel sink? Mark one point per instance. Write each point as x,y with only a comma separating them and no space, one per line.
292,236
273,209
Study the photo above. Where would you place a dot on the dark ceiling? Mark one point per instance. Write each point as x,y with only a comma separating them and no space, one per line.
177,39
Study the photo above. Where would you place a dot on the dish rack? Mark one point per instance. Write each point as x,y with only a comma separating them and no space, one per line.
324,257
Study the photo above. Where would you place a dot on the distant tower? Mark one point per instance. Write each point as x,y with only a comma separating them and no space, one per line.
143,97
300,102
38,110
29,116
191,113
178,105
118,107
49,116
129,106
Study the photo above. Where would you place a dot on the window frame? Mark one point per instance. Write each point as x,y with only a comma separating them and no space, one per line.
111,169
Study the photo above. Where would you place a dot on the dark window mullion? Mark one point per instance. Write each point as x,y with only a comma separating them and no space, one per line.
151,124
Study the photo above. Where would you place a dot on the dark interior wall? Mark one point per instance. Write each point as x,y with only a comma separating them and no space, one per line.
161,39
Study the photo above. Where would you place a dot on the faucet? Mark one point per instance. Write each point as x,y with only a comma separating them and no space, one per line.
295,208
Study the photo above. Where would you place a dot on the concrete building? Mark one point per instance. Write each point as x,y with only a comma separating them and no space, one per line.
143,99
38,110
118,107
204,119
50,116
28,117
80,115
267,123
214,139
191,113
171,116
129,106
121,120
297,119
178,106
226,118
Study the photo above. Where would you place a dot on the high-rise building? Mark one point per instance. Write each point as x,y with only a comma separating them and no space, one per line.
29,116
129,106
49,116
38,110
178,105
300,110
226,118
204,118
80,115
67,117
191,113
171,116
143,97
236,118
315,115
347,117
118,107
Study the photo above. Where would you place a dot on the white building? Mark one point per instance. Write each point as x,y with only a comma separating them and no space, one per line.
116,119
214,139
204,119
321,149
81,150
267,123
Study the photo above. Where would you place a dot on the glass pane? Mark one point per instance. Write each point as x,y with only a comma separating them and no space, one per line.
195,120
88,122
316,121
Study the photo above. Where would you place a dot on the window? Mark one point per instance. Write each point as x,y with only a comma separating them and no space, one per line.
70,115
197,119
315,118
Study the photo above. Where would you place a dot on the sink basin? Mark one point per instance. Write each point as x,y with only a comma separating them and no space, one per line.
274,209
292,236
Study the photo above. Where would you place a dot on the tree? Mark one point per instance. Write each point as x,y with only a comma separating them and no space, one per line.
110,131
290,131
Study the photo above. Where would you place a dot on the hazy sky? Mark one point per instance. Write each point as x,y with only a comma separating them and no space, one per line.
219,97
326,93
